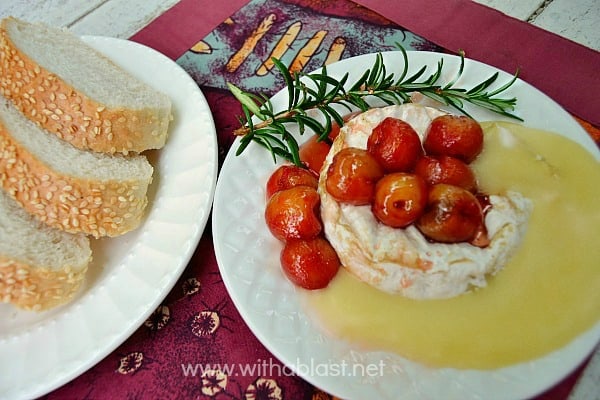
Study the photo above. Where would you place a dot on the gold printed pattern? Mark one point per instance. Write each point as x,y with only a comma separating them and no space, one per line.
304,55
250,43
281,48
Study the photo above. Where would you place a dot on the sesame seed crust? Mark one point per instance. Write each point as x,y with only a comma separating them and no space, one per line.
37,288
96,208
63,110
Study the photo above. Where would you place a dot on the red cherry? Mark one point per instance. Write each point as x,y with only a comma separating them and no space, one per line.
395,145
446,169
293,213
310,264
314,151
452,215
352,175
287,176
454,135
400,199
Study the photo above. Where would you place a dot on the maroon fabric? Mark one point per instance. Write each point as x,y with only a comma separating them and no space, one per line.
175,31
566,71
197,324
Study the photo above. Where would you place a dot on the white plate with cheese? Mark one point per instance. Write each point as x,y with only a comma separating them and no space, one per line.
277,313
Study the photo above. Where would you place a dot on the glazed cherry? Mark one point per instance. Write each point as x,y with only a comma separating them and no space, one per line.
352,175
446,169
400,199
294,213
310,264
335,128
452,215
395,145
454,135
287,176
313,151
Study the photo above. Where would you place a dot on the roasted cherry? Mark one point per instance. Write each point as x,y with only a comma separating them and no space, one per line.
287,176
313,151
335,128
452,215
446,169
395,145
352,175
454,135
310,264
400,199
293,213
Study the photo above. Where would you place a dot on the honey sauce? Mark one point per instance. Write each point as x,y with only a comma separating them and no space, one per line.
546,295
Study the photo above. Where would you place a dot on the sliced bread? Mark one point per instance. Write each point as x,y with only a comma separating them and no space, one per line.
40,267
68,188
74,91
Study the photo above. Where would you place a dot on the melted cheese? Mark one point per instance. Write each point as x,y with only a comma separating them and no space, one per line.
546,295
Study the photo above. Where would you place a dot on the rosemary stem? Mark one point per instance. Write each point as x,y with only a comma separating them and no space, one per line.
324,93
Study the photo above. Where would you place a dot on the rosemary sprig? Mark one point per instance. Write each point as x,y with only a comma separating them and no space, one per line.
321,92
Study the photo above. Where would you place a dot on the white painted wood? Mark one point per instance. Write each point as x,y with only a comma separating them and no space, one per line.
116,18
121,18
578,20
520,9
53,12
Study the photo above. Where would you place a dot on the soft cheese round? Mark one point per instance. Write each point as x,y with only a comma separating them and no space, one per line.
403,261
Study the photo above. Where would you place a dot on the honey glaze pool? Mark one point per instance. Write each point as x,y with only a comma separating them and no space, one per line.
547,294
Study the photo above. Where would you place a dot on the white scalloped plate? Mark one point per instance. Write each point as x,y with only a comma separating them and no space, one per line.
248,257
130,274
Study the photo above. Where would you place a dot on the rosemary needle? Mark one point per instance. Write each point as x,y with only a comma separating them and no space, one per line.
320,92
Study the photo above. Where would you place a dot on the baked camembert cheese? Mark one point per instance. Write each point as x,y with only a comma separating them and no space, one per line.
403,261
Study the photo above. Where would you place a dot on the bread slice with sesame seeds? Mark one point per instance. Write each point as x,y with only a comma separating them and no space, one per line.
40,267
67,188
76,92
